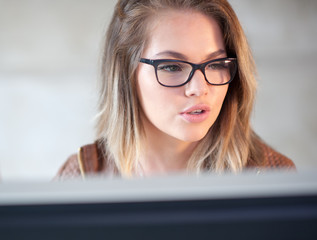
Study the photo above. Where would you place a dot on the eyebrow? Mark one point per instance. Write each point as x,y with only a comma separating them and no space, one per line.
181,56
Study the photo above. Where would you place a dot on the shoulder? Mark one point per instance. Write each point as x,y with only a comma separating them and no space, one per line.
275,159
70,169
89,160
85,162
271,159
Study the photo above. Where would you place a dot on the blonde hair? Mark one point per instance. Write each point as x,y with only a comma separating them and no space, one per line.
229,143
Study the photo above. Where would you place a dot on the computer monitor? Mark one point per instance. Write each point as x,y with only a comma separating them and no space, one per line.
246,206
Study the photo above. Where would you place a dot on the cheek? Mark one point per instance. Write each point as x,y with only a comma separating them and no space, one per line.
217,97
222,94
149,92
145,84
156,101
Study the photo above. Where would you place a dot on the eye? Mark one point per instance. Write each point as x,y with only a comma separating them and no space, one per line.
169,67
217,65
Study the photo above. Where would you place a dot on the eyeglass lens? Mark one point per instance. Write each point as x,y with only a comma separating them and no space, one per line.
176,73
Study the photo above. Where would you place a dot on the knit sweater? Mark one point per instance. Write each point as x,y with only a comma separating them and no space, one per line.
90,161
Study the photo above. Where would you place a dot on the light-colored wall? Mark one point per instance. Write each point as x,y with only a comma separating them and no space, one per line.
49,53
283,37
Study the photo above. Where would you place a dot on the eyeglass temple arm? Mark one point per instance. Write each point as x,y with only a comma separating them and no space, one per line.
147,61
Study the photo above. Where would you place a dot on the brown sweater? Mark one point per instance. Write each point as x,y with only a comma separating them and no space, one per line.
90,161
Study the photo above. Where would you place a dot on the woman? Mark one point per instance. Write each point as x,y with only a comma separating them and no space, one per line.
176,94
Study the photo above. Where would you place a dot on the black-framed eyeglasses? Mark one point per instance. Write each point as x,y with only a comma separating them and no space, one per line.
176,73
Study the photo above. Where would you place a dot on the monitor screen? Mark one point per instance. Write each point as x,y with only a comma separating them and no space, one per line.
246,206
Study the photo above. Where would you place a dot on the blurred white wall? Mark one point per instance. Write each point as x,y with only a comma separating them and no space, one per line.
49,53
283,37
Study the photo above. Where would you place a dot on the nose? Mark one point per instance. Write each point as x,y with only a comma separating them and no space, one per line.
197,86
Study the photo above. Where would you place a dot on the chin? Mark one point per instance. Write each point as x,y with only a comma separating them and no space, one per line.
192,136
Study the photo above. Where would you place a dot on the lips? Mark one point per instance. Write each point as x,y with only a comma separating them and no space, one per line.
196,114
197,108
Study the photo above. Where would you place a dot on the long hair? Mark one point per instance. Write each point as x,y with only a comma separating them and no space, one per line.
229,143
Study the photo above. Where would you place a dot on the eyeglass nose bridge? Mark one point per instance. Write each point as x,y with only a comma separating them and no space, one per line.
195,67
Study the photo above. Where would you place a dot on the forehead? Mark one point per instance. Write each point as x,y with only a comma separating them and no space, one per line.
188,32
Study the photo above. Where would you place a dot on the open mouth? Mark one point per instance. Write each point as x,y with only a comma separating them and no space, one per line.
196,112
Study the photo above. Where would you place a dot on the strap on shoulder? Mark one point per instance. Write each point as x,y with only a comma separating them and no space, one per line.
88,159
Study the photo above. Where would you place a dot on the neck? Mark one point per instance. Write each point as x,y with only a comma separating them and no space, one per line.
163,154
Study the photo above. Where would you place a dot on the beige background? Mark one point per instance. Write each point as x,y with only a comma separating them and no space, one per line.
49,53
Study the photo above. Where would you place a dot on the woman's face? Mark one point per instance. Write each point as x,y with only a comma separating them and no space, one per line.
185,113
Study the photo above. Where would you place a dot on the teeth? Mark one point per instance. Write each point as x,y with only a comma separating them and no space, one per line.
196,112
